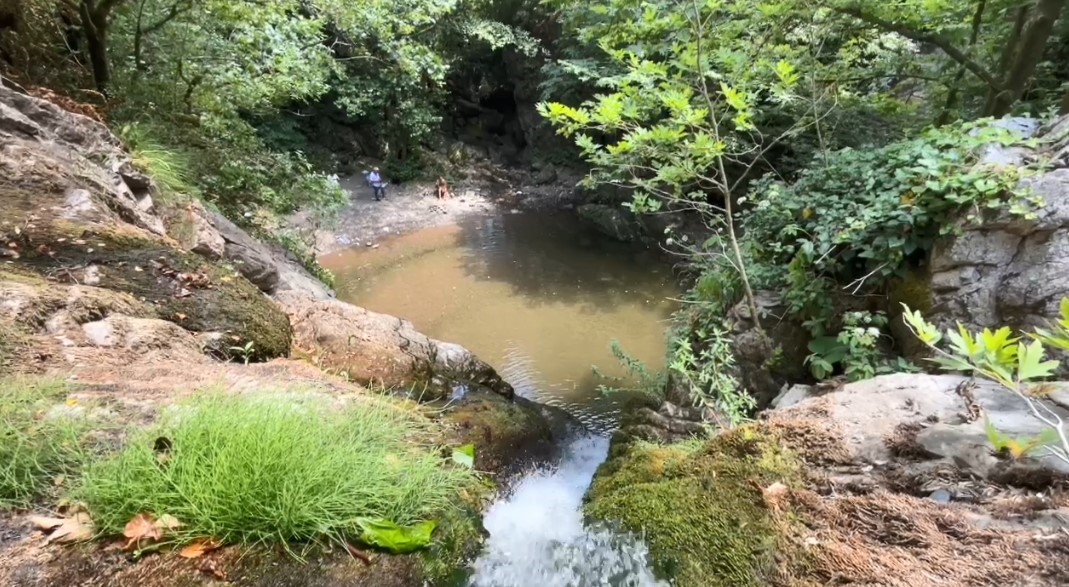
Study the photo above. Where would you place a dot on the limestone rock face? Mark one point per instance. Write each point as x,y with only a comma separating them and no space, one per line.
250,257
1008,270
377,349
938,419
76,213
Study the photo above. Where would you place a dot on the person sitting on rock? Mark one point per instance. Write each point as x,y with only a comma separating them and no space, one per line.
376,183
443,189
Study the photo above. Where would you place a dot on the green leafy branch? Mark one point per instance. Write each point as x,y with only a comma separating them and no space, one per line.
1007,360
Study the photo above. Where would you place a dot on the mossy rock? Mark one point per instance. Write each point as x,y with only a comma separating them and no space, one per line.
507,433
699,505
183,288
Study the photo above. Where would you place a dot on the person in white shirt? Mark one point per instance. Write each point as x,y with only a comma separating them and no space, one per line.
376,183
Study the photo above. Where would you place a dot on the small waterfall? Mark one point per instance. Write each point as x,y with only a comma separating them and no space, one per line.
538,539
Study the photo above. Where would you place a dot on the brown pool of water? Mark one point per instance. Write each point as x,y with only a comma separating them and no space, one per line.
537,296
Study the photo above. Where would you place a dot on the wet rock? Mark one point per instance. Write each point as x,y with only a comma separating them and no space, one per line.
613,221
546,176
508,434
250,257
376,349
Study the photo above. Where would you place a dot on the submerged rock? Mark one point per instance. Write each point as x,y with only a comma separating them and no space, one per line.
613,221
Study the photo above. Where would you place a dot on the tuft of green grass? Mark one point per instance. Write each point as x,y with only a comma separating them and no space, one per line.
275,468
171,168
37,444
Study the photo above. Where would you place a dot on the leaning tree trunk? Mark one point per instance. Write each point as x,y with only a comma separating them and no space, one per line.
1027,54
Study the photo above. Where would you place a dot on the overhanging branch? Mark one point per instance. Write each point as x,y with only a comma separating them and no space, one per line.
924,37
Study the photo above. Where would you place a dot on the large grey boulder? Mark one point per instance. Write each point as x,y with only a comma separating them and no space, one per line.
1007,270
941,417
380,350
250,257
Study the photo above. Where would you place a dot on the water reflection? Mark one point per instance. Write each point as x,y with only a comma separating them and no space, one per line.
551,258
537,297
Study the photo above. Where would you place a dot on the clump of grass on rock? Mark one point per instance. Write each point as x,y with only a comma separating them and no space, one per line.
37,446
276,468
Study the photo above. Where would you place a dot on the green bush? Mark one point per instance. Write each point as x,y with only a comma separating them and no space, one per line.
859,217
274,468
36,447
848,225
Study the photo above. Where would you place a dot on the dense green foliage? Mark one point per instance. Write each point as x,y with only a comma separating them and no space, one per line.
784,126
1018,366
237,95
276,468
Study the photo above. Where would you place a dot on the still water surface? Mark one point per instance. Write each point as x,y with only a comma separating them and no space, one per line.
539,297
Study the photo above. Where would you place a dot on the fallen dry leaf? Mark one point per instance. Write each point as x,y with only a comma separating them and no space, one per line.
198,548
141,528
76,528
46,523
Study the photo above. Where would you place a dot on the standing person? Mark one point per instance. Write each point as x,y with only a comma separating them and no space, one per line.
376,183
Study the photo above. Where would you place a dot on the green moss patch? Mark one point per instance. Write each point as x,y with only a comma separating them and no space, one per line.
699,505
506,433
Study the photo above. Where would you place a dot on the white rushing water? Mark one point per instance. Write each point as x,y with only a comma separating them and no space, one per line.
538,539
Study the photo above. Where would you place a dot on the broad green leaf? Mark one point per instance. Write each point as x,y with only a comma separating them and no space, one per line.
395,539
465,455
1030,363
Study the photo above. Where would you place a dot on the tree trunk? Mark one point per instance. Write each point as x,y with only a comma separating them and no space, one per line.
95,27
955,87
1027,55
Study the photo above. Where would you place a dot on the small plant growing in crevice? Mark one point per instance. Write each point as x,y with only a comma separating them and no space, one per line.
245,352
855,349
1013,363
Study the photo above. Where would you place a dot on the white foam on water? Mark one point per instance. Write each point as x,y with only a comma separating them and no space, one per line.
538,539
